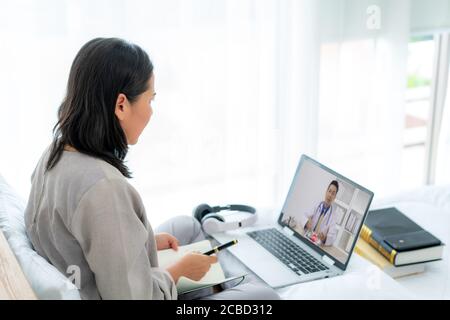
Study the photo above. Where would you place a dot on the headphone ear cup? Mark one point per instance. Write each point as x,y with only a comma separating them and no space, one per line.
211,223
200,211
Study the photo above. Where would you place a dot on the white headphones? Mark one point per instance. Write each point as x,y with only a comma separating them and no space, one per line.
212,222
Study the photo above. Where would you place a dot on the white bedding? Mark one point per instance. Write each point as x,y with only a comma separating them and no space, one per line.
430,208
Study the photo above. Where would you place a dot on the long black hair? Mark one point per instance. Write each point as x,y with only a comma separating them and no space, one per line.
102,69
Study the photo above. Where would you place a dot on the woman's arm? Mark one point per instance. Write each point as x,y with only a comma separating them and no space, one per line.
114,239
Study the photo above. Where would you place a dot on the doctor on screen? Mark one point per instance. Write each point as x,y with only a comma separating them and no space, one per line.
321,225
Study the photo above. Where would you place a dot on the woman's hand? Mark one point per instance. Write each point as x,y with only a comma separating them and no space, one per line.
193,266
166,241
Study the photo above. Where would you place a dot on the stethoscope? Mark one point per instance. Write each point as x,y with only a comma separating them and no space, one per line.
320,207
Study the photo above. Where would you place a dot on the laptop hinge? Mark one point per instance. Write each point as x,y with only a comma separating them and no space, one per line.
327,260
288,231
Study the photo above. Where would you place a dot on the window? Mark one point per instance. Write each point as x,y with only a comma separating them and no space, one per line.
421,52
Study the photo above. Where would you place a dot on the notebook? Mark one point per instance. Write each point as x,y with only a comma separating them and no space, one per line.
214,276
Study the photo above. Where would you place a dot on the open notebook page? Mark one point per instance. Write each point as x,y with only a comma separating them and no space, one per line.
214,276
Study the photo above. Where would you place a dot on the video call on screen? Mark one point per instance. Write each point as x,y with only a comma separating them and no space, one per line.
325,209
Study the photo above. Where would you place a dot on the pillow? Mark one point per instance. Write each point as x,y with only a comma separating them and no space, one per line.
46,281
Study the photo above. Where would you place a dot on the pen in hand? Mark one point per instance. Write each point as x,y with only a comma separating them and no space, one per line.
221,247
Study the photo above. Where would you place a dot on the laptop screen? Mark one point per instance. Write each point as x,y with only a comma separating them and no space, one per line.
325,210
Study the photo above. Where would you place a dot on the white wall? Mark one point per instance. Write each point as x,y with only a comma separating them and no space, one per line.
429,15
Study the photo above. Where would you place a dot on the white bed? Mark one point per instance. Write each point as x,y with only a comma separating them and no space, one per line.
430,207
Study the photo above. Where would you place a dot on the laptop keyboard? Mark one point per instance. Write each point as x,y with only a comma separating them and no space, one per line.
287,251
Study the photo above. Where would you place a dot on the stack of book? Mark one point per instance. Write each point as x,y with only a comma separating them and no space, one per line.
397,244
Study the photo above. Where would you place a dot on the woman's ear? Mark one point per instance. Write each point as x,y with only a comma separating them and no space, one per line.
121,109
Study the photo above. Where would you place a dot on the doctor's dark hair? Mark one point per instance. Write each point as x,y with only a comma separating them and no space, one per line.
102,69
334,183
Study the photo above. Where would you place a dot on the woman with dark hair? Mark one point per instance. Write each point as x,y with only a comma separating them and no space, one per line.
82,212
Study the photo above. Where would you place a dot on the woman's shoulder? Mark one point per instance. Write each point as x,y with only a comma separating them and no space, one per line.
87,167
103,186
78,172
78,177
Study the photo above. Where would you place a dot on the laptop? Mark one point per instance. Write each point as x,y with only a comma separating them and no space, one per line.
316,230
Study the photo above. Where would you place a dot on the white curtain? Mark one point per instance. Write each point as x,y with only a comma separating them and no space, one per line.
443,152
348,77
214,134
361,95
243,88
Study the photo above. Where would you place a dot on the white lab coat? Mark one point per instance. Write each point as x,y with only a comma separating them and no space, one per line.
328,225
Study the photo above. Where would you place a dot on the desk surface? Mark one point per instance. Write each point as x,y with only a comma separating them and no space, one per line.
426,209
13,284
427,206
362,280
